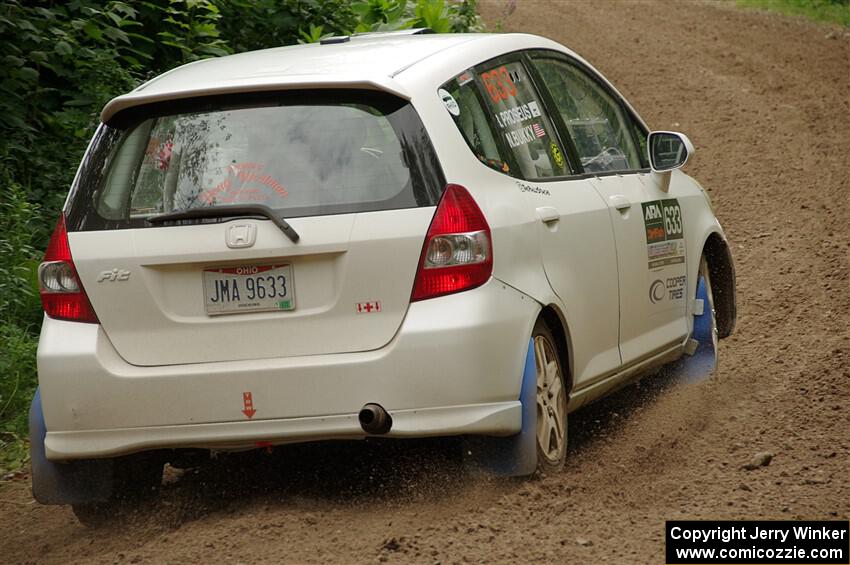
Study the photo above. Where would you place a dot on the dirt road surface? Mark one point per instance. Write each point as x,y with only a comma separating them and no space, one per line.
765,100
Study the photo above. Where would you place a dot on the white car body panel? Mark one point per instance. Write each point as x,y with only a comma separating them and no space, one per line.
435,361
340,261
646,326
298,66
158,372
589,295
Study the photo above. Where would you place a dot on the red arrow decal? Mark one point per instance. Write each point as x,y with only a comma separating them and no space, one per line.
248,403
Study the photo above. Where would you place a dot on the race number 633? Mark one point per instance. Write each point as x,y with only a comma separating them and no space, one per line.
672,219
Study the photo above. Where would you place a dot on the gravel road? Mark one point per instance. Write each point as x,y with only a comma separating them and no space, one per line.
765,100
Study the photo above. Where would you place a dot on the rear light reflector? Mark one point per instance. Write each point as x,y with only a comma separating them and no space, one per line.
62,294
458,254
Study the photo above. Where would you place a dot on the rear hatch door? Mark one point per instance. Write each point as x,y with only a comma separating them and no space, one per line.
353,174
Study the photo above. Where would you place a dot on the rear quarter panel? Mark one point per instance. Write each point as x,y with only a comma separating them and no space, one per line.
517,260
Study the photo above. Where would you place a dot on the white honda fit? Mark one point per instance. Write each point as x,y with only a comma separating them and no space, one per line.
403,235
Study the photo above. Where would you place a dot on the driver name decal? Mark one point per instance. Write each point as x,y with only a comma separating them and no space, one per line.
524,135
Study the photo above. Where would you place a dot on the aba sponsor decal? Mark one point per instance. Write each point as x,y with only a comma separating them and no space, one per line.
663,220
664,232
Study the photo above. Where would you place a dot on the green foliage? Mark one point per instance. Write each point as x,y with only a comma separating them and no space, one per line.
391,15
19,302
17,386
313,34
434,14
256,24
19,317
62,61
835,11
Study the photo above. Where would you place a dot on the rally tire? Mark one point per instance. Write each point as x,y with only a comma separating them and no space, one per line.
551,397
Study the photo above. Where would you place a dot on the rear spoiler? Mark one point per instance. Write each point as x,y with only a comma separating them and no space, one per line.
271,84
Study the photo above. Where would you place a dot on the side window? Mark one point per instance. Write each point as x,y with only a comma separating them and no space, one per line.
524,128
461,99
601,131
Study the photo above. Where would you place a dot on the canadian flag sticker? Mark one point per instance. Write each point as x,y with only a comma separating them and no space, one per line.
369,307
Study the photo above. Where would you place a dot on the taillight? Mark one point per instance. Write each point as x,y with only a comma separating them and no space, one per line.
457,254
62,295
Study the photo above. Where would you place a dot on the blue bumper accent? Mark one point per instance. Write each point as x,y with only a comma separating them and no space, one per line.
514,456
74,482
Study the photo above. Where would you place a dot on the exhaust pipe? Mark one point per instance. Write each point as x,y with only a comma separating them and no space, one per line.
374,419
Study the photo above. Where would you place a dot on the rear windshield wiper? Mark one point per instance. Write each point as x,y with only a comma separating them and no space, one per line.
225,211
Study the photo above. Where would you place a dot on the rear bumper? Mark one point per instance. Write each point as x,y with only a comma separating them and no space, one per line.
454,367
502,418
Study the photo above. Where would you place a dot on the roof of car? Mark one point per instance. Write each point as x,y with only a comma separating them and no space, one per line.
369,60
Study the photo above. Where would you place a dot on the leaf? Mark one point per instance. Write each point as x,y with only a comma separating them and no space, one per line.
39,57
63,48
142,54
132,60
116,34
45,13
25,24
15,122
11,60
213,50
141,37
79,102
28,73
125,9
93,31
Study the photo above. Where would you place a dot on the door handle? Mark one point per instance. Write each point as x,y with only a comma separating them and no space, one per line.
548,214
620,202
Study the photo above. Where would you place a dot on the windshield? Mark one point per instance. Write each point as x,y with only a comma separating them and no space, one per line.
330,154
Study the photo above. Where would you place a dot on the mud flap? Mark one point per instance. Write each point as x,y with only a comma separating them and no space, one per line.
513,456
703,361
74,482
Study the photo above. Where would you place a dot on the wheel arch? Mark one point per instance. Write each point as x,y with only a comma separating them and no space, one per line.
554,319
722,270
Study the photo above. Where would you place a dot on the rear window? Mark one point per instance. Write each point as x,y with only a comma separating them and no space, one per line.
300,154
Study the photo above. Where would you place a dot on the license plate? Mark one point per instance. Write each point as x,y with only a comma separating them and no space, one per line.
250,288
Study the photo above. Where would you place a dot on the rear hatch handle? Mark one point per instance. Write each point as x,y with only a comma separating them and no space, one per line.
227,211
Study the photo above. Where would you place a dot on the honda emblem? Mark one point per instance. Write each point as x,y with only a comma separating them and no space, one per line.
241,235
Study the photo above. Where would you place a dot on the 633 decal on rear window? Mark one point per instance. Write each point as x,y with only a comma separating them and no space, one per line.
499,84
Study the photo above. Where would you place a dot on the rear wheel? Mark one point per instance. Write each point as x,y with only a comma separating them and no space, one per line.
551,427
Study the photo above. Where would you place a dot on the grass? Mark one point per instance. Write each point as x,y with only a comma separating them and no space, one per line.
17,385
831,11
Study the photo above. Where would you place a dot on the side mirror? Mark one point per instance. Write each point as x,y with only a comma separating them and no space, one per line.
668,150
